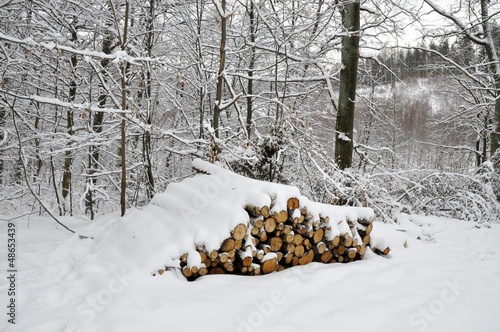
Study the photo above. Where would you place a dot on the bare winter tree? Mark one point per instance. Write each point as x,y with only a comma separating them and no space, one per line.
348,79
476,26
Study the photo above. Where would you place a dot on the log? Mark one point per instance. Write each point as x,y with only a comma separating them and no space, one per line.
289,237
301,229
383,252
186,271
255,241
229,266
265,211
238,244
336,241
327,256
207,261
362,250
239,232
297,239
263,236
287,229
364,222
270,225
307,244
257,222
276,243
290,247
307,258
223,257
321,248
216,270
203,271
266,248
351,253
292,204
269,266
299,251
227,245
184,258
347,240
203,256
281,216
253,211
369,229
318,235
256,269
213,255
242,269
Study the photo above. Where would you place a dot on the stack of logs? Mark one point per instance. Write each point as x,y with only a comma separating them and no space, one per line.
275,241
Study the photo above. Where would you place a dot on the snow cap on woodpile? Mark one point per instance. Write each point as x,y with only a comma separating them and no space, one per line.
203,210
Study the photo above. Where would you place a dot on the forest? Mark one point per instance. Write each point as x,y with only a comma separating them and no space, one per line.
250,165
105,103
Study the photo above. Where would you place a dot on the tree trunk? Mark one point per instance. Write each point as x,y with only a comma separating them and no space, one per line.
222,64
68,155
3,132
123,80
251,65
348,78
94,150
491,52
147,135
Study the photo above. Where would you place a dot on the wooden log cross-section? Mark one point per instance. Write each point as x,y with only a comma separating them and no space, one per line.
275,240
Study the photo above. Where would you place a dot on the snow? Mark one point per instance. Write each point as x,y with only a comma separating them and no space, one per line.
441,274
344,137
449,280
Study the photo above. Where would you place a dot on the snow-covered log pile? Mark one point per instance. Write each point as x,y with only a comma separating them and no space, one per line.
250,227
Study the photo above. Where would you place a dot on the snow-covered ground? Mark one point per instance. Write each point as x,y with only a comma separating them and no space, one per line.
448,279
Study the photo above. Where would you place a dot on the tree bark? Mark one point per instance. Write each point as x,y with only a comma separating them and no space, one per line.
490,48
348,78
222,64
94,150
68,155
147,134
123,80
251,65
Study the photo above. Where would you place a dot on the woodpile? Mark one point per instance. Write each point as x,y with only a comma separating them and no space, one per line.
275,240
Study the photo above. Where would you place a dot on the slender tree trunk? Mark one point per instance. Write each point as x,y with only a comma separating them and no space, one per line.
200,68
348,79
3,132
94,150
251,65
222,64
147,134
123,80
68,155
491,52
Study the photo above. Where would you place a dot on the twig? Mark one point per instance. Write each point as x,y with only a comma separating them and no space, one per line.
21,156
